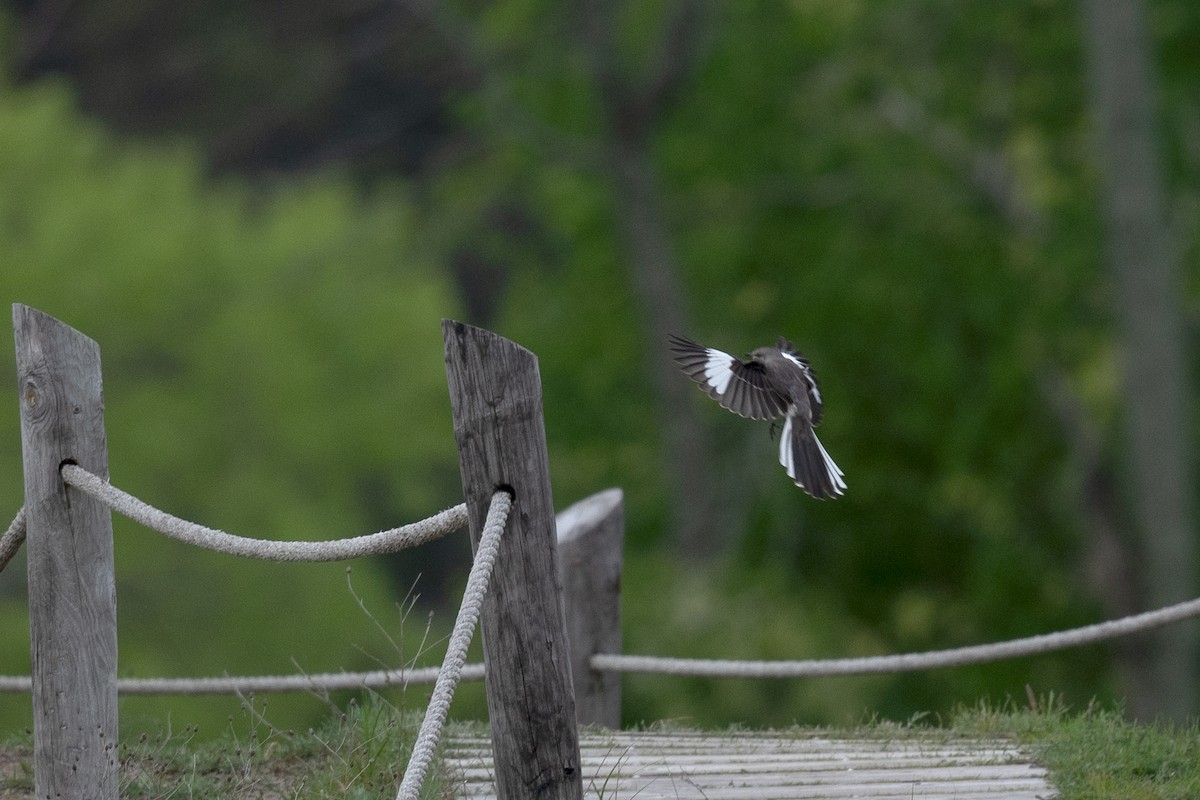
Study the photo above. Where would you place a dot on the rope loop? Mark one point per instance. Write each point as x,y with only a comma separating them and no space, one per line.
388,541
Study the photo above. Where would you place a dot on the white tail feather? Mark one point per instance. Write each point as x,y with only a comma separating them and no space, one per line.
835,473
785,448
788,460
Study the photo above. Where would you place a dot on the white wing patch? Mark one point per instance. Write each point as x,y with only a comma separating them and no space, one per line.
718,370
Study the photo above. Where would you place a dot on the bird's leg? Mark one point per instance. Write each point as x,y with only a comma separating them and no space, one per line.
774,427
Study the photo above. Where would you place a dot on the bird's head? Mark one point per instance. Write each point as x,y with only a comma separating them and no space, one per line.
763,355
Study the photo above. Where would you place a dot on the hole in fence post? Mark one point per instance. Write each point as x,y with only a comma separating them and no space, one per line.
496,399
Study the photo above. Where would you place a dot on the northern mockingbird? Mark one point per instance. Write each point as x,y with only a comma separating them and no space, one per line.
775,382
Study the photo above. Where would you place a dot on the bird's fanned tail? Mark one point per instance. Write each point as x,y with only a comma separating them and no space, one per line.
807,463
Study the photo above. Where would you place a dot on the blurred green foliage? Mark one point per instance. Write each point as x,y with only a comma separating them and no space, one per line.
272,367
905,190
908,192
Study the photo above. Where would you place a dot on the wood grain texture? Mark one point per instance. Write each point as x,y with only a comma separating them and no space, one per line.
591,544
770,766
496,399
72,598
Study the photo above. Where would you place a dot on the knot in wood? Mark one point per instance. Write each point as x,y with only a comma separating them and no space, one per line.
35,403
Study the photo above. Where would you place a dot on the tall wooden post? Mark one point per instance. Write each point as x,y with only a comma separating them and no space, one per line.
72,599
591,543
496,398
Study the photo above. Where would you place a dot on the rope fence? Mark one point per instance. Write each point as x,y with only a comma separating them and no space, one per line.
454,668
456,652
495,394
446,679
316,682
388,541
426,530
906,662
455,517
495,398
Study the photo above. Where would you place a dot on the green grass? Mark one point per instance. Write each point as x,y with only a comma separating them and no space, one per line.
360,754
1098,754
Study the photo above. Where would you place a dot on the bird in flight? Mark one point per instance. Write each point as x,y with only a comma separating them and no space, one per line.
775,382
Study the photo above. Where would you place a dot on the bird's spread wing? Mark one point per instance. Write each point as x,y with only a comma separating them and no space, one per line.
739,386
810,378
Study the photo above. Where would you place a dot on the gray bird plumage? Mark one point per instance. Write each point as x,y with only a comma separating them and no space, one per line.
774,382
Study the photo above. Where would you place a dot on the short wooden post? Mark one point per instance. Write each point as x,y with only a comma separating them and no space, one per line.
496,399
72,599
591,543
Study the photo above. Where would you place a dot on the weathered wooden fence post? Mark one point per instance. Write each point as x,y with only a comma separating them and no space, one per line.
591,543
496,398
72,599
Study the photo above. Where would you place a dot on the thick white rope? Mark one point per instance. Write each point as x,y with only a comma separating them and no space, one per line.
710,668
453,518
456,652
388,541
10,542
264,684
907,662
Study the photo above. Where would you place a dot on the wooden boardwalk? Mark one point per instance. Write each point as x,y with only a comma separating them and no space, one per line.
755,766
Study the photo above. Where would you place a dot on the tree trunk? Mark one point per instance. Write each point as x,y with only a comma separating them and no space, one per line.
1146,290
652,265
630,115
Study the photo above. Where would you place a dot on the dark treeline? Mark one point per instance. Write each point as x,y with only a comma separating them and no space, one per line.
976,220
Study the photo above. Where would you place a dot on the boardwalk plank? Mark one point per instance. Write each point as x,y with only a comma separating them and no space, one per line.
658,766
